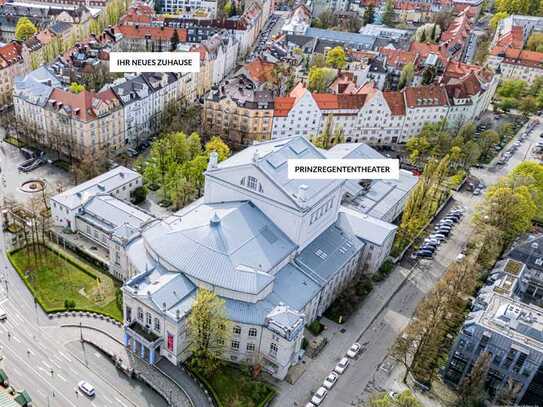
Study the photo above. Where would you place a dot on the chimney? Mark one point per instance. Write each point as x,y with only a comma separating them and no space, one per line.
256,156
213,160
301,192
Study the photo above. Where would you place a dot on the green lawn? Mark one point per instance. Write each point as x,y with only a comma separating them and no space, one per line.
234,388
54,280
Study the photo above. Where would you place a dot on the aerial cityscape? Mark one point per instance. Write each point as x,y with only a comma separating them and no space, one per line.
251,203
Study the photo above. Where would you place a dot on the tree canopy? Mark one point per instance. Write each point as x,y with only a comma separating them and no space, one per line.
320,78
336,58
24,29
208,329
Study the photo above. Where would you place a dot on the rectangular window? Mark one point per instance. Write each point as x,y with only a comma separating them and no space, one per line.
148,319
252,331
250,347
235,345
273,349
128,314
236,330
157,324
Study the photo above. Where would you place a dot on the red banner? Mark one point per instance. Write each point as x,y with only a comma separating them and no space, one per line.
170,342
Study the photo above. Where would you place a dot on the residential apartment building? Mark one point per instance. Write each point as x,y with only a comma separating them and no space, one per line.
101,123
507,54
506,323
370,115
239,112
277,252
14,61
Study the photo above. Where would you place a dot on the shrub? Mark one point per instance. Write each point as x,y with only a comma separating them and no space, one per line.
69,304
305,342
315,327
139,195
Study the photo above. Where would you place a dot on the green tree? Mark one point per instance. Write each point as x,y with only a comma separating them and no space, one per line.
535,42
500,15
317,60
488,139
76,87
369,15
388,14
512,88
216,144
472,392
406,76
528,105
24,29
208,329
320,78
508,209
336,58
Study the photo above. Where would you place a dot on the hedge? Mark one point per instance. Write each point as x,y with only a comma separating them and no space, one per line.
53,310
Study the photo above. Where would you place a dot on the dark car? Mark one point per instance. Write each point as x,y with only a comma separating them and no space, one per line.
424,253
428,247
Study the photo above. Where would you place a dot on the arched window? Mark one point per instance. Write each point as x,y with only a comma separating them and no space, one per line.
252,183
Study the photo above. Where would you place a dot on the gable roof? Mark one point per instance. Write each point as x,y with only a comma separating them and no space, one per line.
271,158
395,102
425,96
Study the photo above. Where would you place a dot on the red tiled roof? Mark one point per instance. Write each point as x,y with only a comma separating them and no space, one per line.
519,57
512,39
398,57
80,104
395,102
457,69
423,96
425,48
329,101
282,106
155,33
11,53
260,70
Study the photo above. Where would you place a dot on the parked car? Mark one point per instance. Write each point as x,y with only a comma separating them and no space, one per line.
3,314
319,396
309,404
477,191
444,221
443,230
342,365
430,240
330,380
439,236
423,253
452,218
131,152
428,248
87,388
30,165
353,350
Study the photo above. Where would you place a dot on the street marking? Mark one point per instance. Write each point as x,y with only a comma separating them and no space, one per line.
62,378
97,355
121,403
47,365
16,339
43,370
64,356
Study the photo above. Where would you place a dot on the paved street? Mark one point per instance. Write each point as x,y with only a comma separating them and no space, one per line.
387,311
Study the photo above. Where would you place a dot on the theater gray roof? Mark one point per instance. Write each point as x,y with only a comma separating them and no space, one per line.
229,245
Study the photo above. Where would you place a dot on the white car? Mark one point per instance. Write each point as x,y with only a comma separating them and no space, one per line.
330,380
319,396
353,350
3,315
86,388
309,404
341,366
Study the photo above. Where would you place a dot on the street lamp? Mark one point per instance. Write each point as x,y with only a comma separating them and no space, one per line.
80,331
